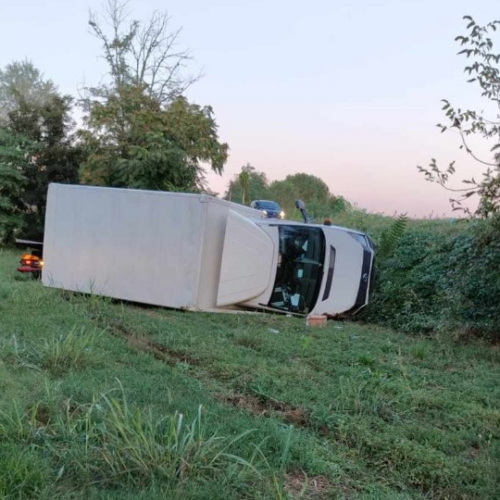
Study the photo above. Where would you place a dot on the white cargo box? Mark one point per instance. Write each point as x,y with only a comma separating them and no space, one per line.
153,247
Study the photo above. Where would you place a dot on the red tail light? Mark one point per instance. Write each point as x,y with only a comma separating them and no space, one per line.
31,260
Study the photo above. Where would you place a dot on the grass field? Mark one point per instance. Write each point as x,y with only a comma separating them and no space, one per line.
104,400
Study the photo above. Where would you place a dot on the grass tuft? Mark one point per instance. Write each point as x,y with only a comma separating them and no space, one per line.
59,354
70,351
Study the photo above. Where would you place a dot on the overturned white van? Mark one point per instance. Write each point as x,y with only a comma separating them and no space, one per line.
197,252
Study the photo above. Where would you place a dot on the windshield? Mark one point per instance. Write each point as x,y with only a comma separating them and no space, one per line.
300,269
268,205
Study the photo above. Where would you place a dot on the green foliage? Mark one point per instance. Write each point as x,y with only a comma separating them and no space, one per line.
21,79
12,182
391,236
312,190
121,445
130,445
483,69
39,124
410,288
362,220
140,131
25,471
132,142
251,184
441,277
66,352
248,185
244,180
474,275
55,158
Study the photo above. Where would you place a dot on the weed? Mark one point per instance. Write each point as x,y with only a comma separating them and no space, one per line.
70,351
24,472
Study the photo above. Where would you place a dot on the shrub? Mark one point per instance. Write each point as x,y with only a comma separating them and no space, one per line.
441,277
474,279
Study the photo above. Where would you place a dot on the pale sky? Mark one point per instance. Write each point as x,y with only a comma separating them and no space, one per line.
346,90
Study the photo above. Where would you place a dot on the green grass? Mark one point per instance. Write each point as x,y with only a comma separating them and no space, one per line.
374,224
106,400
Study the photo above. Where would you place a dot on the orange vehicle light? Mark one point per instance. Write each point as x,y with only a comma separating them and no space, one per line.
28,259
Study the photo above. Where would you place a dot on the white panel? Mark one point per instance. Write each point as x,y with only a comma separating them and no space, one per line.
347,274
216,214
247,261
135,245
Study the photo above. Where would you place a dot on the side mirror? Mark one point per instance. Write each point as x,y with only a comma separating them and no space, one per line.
302,207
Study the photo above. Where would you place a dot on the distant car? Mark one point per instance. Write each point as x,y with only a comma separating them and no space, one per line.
271,209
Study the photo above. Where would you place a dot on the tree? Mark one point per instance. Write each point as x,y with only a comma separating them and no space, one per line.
248,185
310,189
244,179
484,71
55,158
139,130
22,80
13,159
133,142
42,117
143,55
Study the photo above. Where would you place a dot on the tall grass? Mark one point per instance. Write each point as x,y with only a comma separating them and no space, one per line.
108,442
73,350
59,354
24,474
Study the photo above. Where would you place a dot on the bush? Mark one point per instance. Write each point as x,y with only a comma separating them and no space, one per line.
474,298
441,277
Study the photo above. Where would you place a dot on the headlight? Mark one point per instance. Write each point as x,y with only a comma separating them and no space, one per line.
282,214
264,212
